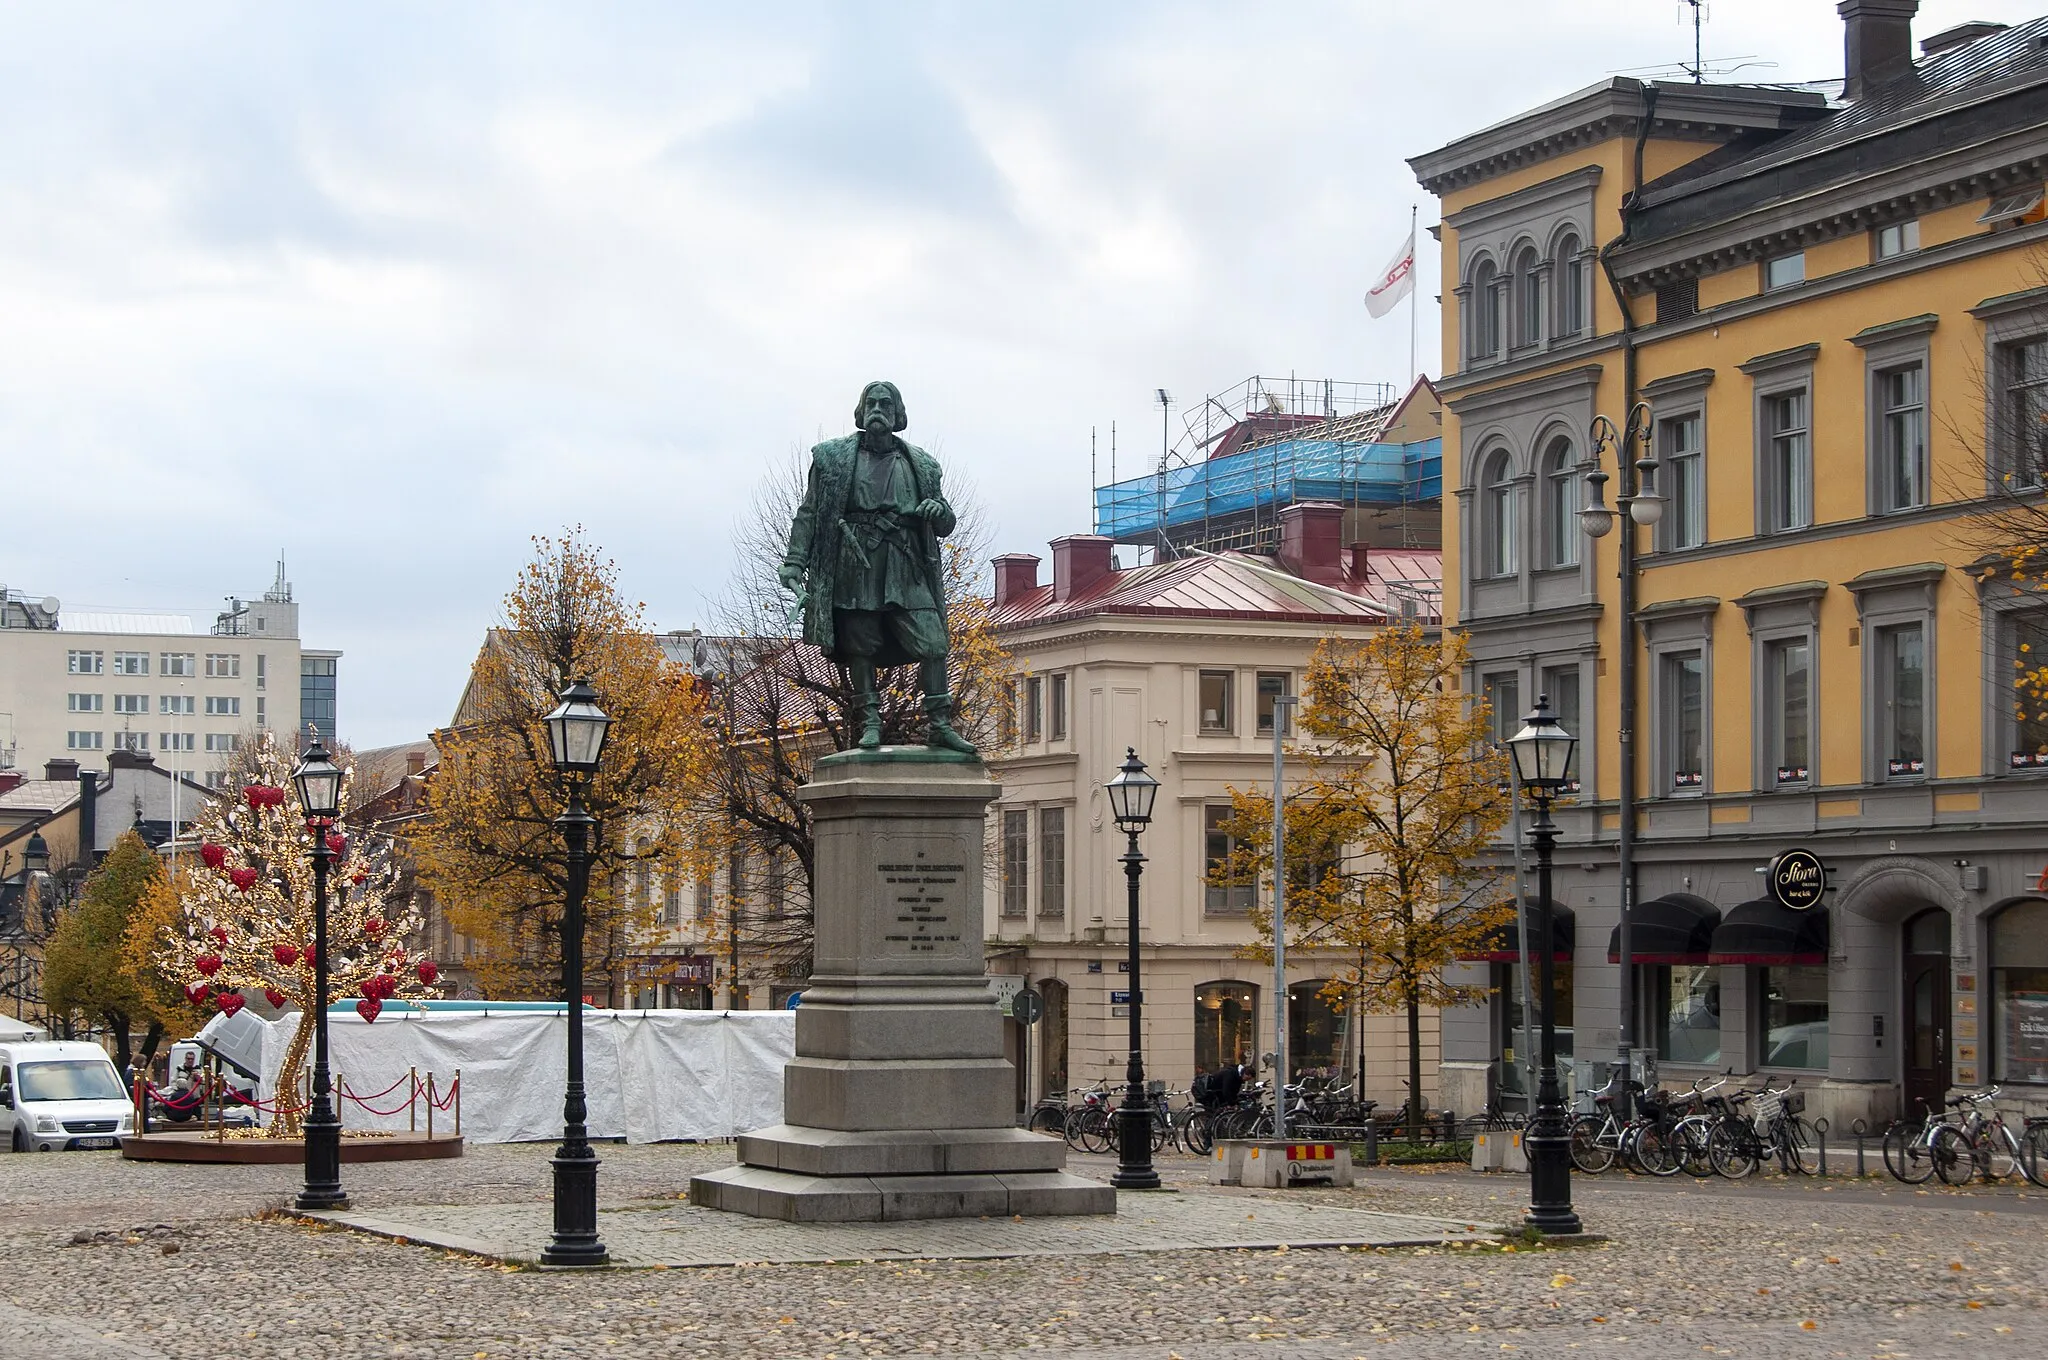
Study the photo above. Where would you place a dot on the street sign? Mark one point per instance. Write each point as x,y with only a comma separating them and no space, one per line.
1119,998
1026,1006
1797,879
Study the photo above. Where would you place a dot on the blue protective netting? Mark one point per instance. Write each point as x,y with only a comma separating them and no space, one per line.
1272,475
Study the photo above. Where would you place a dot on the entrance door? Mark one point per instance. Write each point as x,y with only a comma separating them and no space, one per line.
1926,1012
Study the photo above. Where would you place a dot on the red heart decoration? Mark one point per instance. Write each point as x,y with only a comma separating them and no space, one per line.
244,877
219,933
208,964
385,986
197,993
312,956
337,844
357,877
286,954
229,1002
368,1008
213,855
264,795
274,997
428,971
373,926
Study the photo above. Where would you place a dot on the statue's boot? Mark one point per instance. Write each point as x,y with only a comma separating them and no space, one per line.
862,673
939,733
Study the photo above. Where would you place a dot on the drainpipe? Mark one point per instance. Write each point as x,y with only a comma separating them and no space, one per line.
1630,481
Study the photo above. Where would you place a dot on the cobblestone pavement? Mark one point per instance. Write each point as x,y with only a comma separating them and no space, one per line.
106,1260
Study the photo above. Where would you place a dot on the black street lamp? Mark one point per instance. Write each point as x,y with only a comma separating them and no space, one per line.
318,780
1543,755
1130,802
576,732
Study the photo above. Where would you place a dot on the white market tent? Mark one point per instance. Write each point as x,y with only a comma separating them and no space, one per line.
650,1076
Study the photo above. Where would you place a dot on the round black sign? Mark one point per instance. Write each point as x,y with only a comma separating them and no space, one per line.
1026,1006
1798,879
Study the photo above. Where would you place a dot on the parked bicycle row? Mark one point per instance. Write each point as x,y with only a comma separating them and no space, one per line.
1322,1109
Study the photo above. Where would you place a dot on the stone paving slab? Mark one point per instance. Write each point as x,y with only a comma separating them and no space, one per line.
660,1233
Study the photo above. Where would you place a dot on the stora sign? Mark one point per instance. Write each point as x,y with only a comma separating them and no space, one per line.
1798,879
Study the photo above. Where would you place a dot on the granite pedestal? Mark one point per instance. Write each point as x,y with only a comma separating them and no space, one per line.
899,1102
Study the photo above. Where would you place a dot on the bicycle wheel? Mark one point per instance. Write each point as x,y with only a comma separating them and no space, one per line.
1692,1134
1589,1154
1905,1153
2034,1153
1195,1133
2000,1153
1732,1148
1650,1149
1798,1146
1954,1155
1049,1119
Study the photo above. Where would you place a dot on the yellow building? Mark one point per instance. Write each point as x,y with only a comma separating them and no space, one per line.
1836,309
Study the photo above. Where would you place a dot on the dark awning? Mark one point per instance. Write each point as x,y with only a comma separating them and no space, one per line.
1674,928
1761,931
1506,945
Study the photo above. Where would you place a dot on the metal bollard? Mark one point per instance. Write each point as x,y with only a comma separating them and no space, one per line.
1859,1130
1450,1126
1820,1131
1372,1142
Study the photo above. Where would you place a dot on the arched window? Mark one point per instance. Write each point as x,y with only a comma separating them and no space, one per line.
1497,516
1485,311
1561,501
2019,993
1528,299
1570,273
1226,1024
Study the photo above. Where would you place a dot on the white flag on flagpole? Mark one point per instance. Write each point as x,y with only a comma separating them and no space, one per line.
1396,281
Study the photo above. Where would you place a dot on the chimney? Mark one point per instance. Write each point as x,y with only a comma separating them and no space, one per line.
11,780
62,770
1359,558
130,760
415,762
1016,573
1958,36
1312,541
88,816
1877,42
1078,562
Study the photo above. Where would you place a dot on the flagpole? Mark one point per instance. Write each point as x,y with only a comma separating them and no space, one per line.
1414,248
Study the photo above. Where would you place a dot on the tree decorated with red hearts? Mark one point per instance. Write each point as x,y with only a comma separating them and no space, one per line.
246,914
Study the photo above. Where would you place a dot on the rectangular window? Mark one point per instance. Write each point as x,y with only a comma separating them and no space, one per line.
1056,706
131,703
1685,519
131,663
1272,686
223,665
1685,728
2026,645
85,663
1685,1016
1788,462
1016,862
176,741
223,706
2023,413
1788,710
1214,689
2019,992
131,741
1900,238
82,741
262,669
175,663
216,779
707,899
1795,1016
1503,691
1034,708
86,703
262,718
175,703
1902,683
1217,845
1052,861
1561,687
1785,270
220,743
1902,438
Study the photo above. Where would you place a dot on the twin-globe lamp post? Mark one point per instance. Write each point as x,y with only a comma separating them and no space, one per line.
576,732
1641,503
1130,801
318,781
1543,757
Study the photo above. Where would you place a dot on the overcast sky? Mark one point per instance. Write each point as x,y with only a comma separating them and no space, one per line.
389,288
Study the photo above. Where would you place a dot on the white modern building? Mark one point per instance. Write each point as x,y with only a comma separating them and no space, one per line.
78,684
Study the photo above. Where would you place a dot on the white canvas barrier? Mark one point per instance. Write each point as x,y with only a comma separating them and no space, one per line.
649,1076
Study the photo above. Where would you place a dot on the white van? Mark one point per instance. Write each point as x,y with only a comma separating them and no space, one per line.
61,1095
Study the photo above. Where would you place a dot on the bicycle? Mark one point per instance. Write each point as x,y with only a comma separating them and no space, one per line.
1775,1128
1981,1145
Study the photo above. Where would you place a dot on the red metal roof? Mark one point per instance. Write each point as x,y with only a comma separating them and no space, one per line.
1226,585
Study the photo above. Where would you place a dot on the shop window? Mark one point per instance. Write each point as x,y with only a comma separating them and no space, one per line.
1052,1035
1514,1075
1794,1004
1214,701
1218,844
1226,1024
1313,1025
1684,1004
2019,993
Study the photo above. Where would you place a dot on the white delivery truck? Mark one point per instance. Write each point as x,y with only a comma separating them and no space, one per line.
61,1094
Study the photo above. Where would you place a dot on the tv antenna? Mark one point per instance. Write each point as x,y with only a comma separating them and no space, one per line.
1699,18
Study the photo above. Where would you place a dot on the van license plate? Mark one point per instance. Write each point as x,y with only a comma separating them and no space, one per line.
92,1144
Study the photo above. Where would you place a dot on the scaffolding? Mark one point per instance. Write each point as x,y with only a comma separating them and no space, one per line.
1248,453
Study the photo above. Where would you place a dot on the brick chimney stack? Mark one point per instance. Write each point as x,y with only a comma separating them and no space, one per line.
1312,541
1079,561
1877,42
1016,573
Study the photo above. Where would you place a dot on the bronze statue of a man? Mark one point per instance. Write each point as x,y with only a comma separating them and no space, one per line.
863,559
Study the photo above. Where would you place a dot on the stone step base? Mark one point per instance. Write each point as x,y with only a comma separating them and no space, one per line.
795,1198
900,1152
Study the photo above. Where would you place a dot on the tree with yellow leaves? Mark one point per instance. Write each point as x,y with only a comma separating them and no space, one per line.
489,848
1388,838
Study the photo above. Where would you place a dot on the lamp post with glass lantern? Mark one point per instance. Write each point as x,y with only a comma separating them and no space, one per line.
1543,754
1130,801
318,781
576,733
1641,503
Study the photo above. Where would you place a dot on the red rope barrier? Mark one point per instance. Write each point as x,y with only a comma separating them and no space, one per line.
379,1095
448,1099
396,1109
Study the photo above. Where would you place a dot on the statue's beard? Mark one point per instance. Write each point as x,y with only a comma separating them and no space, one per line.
877,427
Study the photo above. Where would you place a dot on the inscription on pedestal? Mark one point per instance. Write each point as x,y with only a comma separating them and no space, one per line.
921,894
